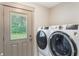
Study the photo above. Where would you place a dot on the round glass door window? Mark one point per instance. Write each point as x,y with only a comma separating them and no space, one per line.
41,39
62,45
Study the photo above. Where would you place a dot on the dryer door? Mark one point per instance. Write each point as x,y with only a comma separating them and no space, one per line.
62,45
41,39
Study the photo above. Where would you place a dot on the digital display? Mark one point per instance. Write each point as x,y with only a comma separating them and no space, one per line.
72,27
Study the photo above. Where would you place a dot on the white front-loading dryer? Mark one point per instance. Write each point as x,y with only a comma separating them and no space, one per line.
64,40
42,41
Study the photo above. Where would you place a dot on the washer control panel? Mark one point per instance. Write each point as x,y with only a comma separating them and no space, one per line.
72,27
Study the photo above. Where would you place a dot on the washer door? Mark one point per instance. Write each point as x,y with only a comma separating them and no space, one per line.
62,45
41,39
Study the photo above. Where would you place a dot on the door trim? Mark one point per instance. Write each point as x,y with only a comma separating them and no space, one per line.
18,5
1,31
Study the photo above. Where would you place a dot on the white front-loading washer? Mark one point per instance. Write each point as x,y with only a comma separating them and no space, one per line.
64,40
42,41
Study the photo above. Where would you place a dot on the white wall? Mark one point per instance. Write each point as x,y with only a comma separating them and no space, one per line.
41,18
65,13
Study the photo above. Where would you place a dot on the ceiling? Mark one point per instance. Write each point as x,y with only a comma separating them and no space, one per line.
47,4
44,4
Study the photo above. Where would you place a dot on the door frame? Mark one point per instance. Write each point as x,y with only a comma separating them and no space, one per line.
23,7
1,31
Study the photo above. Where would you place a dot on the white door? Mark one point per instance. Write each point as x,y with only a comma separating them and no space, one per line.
17,32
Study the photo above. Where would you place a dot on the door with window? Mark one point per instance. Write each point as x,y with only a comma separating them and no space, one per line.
17,32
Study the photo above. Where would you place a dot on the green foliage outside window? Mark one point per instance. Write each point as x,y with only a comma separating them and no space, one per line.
18,26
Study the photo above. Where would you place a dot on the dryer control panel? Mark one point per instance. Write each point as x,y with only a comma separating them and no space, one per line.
46,28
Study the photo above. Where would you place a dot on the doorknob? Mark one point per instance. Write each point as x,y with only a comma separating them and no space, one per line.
30,37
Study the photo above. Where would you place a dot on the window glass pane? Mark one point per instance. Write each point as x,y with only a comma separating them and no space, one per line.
18,25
